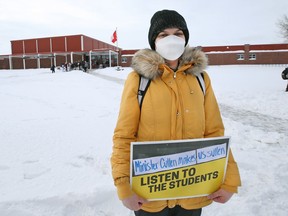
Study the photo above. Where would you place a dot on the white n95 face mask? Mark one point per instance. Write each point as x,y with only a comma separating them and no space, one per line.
170,47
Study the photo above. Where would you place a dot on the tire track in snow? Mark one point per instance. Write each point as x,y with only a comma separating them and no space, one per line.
109,78
264,122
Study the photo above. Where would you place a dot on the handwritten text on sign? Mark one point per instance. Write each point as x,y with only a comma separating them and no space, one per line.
173,161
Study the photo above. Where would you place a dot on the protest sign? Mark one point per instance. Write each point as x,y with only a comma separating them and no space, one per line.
179,168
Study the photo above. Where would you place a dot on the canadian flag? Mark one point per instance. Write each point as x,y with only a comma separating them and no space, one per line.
114,37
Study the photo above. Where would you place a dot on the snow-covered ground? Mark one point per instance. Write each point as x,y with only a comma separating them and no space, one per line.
56,140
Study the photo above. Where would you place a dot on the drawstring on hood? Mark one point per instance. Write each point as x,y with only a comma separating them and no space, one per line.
150,64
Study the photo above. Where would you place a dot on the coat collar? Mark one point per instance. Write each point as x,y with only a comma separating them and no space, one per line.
150,64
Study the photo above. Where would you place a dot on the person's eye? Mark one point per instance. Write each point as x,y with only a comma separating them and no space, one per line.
179,34
162,35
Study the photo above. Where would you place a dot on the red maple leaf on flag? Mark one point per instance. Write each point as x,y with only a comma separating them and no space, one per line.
114,37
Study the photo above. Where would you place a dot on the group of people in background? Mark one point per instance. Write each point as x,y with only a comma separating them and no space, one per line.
81,65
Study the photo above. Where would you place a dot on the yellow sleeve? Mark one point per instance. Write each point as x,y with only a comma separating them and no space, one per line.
125,132
232,179
213,121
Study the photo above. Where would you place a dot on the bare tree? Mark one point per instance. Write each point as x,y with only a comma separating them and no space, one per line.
283,25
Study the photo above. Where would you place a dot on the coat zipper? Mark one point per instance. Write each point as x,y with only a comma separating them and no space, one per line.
181,105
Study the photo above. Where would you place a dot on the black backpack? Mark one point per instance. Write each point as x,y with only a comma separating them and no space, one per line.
145,82
284,74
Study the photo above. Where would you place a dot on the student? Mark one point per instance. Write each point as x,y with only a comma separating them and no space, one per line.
174,108
285,77
52,68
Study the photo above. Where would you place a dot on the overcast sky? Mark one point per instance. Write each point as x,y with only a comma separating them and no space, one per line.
210,22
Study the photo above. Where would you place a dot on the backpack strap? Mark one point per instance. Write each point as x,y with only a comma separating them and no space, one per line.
143,86
201,81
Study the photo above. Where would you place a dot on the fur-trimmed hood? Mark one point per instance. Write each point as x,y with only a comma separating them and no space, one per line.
147,62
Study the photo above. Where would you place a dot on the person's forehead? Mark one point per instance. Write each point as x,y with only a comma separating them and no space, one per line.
171,30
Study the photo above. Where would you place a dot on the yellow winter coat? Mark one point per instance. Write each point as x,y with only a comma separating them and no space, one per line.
174,107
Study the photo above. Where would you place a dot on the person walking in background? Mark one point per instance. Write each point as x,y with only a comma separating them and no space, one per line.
284,75
174,108
85,66
52,68
66,67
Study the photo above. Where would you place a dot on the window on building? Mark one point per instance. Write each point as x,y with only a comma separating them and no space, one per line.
124,60
252,56
240,56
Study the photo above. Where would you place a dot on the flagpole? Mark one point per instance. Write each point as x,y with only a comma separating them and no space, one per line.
117,39
117,48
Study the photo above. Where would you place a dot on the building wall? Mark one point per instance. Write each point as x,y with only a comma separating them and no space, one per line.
93,44
127,62
126,57
47,45
17,47
4,63
271,58
222,59
73,43
30,63
60,59
77,57
58,44
17,63
60,49
46,62
30,46
261,58
268,46
222,48
228,55
44,45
